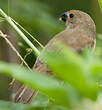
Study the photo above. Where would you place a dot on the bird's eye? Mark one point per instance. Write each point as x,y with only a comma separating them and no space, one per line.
71,15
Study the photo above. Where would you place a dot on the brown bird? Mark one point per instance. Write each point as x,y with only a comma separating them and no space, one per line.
80,33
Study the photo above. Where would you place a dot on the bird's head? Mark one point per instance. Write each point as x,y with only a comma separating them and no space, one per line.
75,18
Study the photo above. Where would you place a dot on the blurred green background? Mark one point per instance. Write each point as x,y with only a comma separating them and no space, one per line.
40,18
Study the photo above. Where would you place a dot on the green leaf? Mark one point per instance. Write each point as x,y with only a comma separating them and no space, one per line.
60,93
72,69
40,102
4,105
100,3
96,70
11,106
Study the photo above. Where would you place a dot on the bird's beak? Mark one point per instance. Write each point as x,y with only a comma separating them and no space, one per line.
63,17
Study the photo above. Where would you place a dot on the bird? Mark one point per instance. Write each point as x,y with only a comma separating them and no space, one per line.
79,33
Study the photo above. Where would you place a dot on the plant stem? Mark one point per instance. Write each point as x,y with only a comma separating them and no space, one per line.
27,33
8,19
9,7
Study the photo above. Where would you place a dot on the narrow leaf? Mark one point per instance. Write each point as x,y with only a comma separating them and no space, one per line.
100,3
51,87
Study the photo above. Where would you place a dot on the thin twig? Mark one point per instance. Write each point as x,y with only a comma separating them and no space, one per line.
14,49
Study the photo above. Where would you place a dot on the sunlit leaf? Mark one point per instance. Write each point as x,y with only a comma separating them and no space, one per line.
11,106
100,3
59,92
72,69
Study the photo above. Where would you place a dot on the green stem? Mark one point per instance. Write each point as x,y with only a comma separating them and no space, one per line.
100,3
27,33
8,19
9,7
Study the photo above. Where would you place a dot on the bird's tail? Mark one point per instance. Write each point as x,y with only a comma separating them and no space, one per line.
24,95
